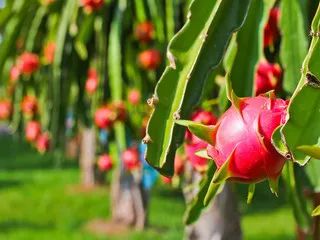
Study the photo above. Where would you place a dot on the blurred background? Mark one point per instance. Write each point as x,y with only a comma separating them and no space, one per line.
77,82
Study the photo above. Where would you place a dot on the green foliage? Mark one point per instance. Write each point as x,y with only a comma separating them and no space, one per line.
293,30
40,202
221,39
296,198
302,127
316,211
115,67
193,53
249,43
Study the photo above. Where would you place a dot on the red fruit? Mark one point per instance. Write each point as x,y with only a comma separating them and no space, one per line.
144,32
92,81
130,158
92,5
28,63
150,59
268,77
49,51
32,131
105,163
104,117
120,109
200,164
271,30
195,144
166,180
5,109
29,105
43,143
134,96
245,139
178,165
14,73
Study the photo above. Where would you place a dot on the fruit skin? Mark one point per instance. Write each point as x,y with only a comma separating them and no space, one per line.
105,163
14,74
43,142
149,59
92,81
104,117
28,63
119,108
178,165
195,144
130,158
29,105
271,30
144,32
5,109
49,52
134,97
267,78
32,131
92,5
166,180
244,137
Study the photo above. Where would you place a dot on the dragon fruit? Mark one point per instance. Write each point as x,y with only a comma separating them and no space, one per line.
134,96
5,109
242,139
43,142
240,143
130,158
32,131
271,30
28,63
14,74
49,52
195,144
92,81
105,163
268,77
29,105
92,5
144,32
150,59
104,117
178,165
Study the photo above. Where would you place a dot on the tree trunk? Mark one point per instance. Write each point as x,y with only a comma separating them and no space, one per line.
220,221
129,200
87,157
72,147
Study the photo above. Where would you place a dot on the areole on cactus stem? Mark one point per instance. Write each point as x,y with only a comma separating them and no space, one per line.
240,143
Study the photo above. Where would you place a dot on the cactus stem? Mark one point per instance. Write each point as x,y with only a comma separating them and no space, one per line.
176,115
312,80
171,60
153,101
204,36
189,15
147,139
314,34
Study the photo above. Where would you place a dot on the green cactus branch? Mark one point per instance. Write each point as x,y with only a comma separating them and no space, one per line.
302,127
193,53
294,36
249,42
